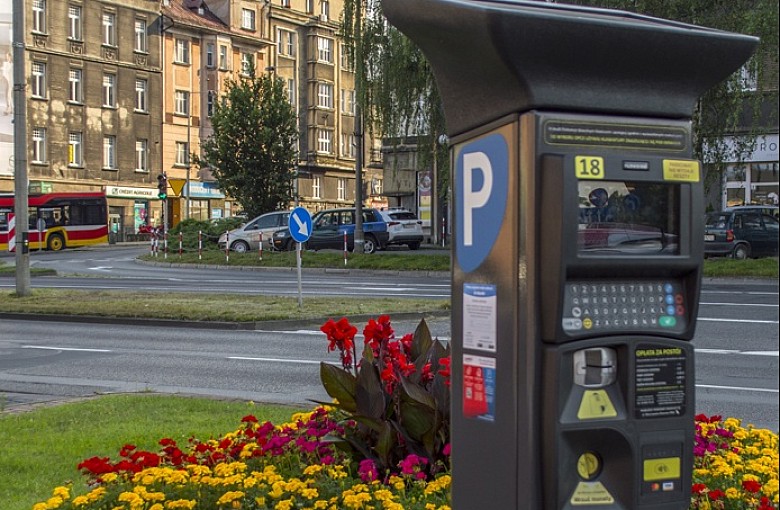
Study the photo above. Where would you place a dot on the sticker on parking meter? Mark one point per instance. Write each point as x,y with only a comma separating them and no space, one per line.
481,187
681,170
589,167
479,317
660,381
479,387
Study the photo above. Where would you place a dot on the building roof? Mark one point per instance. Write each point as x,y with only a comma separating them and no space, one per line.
197,15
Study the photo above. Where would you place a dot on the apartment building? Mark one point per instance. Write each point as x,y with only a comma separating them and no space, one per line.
122,91
313,62
94,74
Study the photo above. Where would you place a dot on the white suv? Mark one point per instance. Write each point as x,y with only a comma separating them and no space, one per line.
403,227
247,236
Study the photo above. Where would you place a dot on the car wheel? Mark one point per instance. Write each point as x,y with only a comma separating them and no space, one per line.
413,246
56,242
369,245
741,252
289,245
240,247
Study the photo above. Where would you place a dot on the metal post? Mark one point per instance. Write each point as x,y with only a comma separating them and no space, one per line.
20,149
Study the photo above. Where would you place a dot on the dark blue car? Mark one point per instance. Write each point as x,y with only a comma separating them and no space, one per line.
329,227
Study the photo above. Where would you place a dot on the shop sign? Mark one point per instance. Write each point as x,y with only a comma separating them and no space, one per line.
197,189
129,192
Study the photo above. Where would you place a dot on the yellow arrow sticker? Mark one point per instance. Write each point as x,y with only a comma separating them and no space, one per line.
588,466
661,469
591,493
596,404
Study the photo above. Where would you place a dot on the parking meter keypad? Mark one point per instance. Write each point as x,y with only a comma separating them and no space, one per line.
597,306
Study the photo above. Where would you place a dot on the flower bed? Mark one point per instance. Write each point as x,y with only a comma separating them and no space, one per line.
383,444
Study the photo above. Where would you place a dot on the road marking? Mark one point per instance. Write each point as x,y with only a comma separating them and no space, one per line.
276,360
749,321
745,353
63,348
737,388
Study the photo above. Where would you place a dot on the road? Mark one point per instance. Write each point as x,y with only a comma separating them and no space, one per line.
736,345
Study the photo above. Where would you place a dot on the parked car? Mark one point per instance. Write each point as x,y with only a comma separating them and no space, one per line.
247,237
403,227
771,210
740,234
329,226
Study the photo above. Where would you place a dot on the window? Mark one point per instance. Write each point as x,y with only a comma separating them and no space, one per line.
223,57
140,35
75,86
209,54
210,102
109,90
109,29
141,155
39,145
39,16
74,22
325,95
324,10
346,63
38,85
248,19
316,187
181,102
182,153
748,78
182,52
140,95
75,150
325,49
291,91
109,152
348,145
310,6
247,63
285,42
324,141
285,3
341,189
348,101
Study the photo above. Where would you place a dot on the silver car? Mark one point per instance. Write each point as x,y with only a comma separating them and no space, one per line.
403,227
247,237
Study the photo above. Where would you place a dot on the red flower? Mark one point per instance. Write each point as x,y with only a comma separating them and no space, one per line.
445,371
751,486
249,419
698,488
716,494
378,332
96,465
341,336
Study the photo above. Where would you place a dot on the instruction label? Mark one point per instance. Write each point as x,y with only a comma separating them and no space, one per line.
591,493
479,317
626,136
660,381
479,387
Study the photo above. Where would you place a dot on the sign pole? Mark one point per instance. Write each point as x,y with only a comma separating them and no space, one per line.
298,265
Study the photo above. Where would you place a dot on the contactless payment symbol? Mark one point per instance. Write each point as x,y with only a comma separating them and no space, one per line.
482,175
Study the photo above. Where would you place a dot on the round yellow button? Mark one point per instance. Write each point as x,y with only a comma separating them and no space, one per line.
588,466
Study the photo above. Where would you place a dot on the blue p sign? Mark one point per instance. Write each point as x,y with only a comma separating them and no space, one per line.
481,177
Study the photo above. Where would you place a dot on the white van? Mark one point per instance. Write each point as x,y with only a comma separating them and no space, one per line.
247,237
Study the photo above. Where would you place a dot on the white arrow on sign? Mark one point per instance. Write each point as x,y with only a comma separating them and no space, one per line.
302,228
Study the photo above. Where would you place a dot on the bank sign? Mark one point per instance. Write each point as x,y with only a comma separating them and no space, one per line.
481,187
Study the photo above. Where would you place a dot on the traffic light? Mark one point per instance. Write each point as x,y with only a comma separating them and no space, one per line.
162,186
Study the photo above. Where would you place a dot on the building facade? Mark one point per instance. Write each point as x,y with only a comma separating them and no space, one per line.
119,92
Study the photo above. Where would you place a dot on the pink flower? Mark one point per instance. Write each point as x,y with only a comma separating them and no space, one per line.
367,470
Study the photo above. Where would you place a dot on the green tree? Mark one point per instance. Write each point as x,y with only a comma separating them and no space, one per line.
399,95
252,152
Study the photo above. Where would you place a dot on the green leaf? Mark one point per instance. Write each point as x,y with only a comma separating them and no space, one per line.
422,341
339,384
369,396
417,419
385,444
418,394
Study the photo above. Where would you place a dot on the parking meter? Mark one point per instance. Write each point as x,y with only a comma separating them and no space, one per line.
577,247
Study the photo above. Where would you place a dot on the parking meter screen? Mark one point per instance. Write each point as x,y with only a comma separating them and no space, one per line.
628,218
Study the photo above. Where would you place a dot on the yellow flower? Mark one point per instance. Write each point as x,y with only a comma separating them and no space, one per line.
230,497
732,493
287,504
181,504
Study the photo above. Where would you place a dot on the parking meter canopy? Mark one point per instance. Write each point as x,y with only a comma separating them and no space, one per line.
493,58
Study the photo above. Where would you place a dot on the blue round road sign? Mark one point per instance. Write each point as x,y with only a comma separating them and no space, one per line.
300,224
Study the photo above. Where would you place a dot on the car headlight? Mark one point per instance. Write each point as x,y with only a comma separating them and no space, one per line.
280,234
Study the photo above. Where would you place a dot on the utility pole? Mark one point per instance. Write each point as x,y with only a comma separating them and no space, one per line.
20,153
359,237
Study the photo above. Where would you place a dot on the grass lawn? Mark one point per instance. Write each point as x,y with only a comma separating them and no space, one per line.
41,448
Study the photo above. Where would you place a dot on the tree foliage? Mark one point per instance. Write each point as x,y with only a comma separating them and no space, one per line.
252,152
399,96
